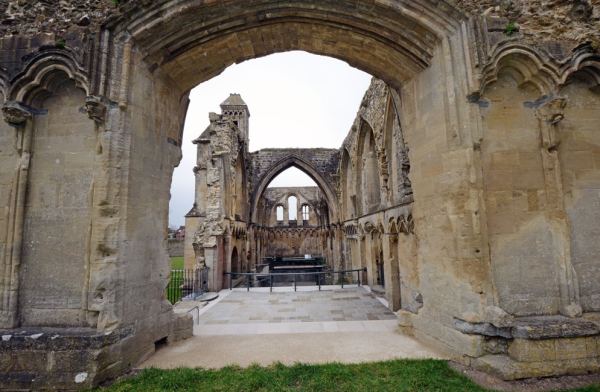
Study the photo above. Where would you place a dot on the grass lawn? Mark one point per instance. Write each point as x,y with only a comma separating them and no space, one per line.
396,376
174,291
177,262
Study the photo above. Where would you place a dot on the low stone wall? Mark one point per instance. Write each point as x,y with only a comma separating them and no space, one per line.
176,247
69,359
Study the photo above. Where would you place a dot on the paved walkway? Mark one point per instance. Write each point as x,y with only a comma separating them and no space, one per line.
344,347
347,326
241,307
249,313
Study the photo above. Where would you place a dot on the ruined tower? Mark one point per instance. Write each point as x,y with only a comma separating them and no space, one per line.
236,109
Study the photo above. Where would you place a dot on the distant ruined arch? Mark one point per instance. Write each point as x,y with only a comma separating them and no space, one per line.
300,163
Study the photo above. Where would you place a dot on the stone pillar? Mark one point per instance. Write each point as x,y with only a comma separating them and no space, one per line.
370,260
18,116
549,114
391,270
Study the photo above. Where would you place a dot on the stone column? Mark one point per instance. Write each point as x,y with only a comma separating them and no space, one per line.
391,270
19,116
549,114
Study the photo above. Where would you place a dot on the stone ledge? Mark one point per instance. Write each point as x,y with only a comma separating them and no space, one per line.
507,368
55,339
547,327
533,328
57,358
526,350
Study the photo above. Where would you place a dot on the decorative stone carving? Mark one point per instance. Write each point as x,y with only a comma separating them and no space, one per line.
405,184
369,227
406,225
15,113
95,108
550,113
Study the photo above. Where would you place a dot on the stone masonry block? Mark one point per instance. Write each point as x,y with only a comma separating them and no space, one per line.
23,361
525,350
575,348
405,318
505,160
507,368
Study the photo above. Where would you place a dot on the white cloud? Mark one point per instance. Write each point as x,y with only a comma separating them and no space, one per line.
295,99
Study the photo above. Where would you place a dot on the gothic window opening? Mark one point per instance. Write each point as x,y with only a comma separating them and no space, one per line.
380,273
279,213
293,208
305,213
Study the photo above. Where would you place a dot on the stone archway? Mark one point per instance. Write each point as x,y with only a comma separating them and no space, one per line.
286,161
137,72
235,261
174,36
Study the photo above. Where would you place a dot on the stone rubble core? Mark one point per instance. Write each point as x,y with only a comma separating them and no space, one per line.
468,185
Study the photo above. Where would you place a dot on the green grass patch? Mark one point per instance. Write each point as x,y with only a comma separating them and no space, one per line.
174,288
176,262
397,375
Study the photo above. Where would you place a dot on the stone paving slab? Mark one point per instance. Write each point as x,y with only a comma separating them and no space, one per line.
264,349
242,307
296,327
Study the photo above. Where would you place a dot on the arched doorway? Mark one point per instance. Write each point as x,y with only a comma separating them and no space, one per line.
235,261
380,270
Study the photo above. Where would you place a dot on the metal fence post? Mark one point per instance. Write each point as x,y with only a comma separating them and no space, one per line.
230,281
271,282
294,282
319,281
342,278
248,281
358,277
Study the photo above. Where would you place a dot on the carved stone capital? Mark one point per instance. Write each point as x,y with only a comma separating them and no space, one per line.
552,111
15,113
95,108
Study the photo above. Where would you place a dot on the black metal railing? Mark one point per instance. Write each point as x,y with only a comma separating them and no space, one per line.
250,277
184,282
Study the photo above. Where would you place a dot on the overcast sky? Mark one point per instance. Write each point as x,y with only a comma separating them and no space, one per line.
295,99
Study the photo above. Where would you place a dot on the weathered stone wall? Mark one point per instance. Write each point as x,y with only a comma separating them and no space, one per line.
524,250
57,219
146,192
579,155
176,247
278,197
446,205
433,135
552,20
293,242
293,238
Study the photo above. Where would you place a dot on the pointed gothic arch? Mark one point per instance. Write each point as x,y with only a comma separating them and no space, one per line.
303,165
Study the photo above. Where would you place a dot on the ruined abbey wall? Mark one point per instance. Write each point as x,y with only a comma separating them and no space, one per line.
468,186
298,237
